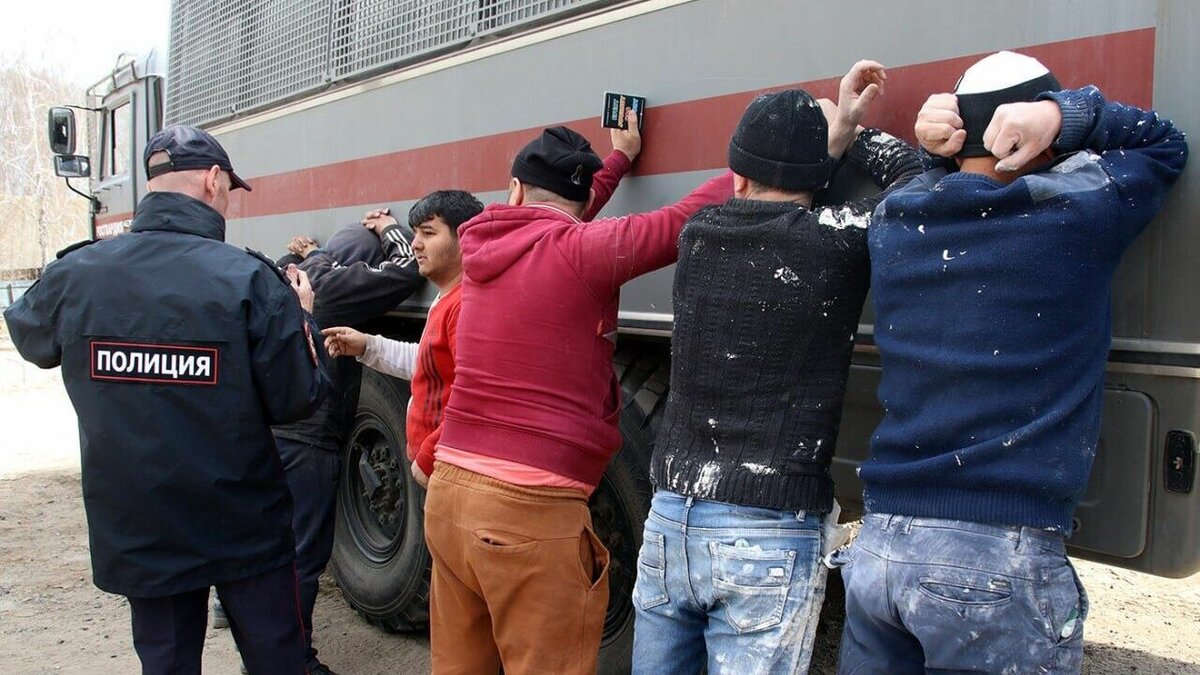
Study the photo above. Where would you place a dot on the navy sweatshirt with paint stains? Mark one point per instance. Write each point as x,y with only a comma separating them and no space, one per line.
993,320
767,298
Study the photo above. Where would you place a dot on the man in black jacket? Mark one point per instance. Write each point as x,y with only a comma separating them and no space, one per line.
767,296
178,352
359,275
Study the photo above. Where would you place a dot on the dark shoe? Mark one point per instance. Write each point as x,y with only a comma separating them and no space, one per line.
219,620
320,669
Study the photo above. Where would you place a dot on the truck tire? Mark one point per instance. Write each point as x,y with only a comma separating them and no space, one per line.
379,556
622,500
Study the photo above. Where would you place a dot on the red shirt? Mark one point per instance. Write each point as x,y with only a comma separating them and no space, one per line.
432,377
534,380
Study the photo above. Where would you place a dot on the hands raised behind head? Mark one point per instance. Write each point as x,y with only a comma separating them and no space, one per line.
378,220
1019,132
301,286
301,245
939,129
629,139
343,341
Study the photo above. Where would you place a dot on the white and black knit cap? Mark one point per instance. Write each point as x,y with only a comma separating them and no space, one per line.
782,141
1003,77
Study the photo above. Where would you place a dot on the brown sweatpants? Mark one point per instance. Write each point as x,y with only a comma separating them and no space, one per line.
519,578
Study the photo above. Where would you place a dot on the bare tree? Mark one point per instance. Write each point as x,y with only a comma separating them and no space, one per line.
38,214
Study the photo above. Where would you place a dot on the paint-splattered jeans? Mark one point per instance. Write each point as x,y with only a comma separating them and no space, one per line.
926,595
735,587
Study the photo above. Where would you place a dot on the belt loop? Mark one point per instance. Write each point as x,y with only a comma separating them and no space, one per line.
908,525
688,503
801,515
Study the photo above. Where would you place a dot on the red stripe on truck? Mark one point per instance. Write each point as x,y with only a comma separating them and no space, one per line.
687,136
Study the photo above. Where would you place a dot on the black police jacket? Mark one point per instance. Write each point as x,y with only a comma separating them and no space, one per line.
178,352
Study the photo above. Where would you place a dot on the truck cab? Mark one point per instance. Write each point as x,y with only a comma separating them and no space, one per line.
124,109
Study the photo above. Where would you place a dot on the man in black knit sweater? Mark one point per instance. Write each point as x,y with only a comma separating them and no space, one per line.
768,292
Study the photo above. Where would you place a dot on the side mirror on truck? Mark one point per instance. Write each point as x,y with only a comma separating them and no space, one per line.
62,132
72,166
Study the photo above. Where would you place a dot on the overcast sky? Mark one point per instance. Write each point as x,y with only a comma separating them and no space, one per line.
82,38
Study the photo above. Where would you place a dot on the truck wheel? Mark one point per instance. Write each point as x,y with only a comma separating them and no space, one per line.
379,556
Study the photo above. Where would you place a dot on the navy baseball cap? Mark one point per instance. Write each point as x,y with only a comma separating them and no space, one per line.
188,148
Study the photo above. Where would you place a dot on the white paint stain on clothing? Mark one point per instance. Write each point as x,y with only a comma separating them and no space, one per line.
706,482
787,276
760,469
840,219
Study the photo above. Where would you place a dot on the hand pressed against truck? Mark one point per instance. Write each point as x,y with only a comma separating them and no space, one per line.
518,576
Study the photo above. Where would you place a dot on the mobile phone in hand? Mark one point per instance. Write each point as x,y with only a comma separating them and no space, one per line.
616,107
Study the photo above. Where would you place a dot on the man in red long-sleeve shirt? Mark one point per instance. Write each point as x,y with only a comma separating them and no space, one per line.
429,364
519,578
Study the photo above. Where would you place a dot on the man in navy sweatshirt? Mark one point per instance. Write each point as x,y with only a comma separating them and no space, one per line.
992,287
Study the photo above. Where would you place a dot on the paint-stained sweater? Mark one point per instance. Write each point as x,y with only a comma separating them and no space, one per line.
767,299
993,320
534,381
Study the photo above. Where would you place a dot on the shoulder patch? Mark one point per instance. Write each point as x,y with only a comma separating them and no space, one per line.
269,263
1074,173
74,247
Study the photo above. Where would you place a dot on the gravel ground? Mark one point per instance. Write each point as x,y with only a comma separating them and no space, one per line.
53,620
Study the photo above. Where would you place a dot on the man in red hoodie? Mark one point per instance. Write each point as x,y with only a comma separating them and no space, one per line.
519,578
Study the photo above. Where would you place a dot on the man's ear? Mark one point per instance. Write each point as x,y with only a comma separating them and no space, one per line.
212,181
590,200
516,193
741,186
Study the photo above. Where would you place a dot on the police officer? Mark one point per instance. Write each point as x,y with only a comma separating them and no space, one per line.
178,352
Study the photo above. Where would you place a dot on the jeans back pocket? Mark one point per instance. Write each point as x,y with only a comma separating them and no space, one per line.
752,584
650,589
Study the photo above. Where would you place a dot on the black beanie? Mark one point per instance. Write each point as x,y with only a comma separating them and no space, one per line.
561,161
782,142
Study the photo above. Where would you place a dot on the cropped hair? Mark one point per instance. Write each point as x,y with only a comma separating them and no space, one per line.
453,206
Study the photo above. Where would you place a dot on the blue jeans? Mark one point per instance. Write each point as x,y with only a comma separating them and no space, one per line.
926,595
737,588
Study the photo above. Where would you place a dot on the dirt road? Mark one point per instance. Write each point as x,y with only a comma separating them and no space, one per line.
53,620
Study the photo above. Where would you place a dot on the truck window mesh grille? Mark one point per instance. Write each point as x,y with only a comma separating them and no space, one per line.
232,57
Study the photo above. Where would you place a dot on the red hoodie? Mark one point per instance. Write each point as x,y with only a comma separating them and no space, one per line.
533,374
